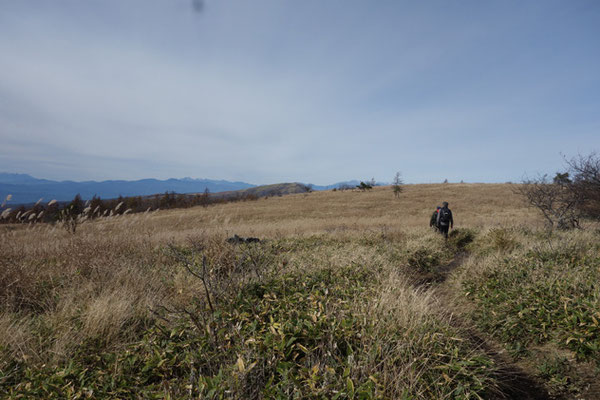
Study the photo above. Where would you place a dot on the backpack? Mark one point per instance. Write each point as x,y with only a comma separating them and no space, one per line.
444,217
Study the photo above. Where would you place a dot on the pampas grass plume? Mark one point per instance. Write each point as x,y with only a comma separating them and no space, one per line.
6,200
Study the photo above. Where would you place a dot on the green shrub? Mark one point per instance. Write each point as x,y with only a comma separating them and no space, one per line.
503,240
460,238
549,295
562,379
424,259
306,331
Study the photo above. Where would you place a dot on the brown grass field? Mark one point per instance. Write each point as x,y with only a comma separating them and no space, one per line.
93,314
475,206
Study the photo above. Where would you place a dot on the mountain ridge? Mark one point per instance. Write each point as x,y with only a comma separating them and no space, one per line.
26,189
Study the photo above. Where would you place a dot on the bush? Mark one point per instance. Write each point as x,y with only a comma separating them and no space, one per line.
540,296
364,186
424,259
556,200
461,238
571,195
503,240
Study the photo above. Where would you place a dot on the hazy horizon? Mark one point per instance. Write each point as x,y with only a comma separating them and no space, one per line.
356,179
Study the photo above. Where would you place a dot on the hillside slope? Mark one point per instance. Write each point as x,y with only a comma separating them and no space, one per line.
339,298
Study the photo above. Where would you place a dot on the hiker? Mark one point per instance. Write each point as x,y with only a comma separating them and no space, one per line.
444,219
433,220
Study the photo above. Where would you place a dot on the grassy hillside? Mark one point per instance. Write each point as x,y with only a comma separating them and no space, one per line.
348,295
277,189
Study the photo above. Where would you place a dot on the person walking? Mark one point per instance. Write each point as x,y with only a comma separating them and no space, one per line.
445,220
433,219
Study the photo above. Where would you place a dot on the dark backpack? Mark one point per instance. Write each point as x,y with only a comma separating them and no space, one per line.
444,216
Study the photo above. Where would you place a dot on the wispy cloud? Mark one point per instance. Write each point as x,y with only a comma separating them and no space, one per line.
312,91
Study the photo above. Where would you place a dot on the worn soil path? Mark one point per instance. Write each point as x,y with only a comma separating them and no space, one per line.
515,382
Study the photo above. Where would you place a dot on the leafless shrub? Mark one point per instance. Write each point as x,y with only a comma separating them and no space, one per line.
585,184
556,200
571,195
221,270
220,267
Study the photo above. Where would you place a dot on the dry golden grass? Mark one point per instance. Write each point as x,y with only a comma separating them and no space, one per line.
104,274
60,291
473,205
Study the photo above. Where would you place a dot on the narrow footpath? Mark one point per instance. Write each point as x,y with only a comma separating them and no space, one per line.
515,382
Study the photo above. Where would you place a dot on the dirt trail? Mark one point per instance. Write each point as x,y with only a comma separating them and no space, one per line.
515,382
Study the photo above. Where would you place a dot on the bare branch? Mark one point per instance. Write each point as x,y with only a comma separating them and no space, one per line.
556,200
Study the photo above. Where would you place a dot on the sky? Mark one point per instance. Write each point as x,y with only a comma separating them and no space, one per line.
312,91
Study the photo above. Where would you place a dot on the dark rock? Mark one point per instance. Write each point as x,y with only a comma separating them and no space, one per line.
235,239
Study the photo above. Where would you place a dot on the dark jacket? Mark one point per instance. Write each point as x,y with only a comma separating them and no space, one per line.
450,219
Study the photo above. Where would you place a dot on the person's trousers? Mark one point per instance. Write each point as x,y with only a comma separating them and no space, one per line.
444,230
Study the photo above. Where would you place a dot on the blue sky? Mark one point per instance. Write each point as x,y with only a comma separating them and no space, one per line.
313,91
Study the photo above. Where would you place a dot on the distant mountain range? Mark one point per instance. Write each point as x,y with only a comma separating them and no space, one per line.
26,189
336,185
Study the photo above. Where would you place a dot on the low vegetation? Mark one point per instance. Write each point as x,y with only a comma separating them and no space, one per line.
536,292
347,295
